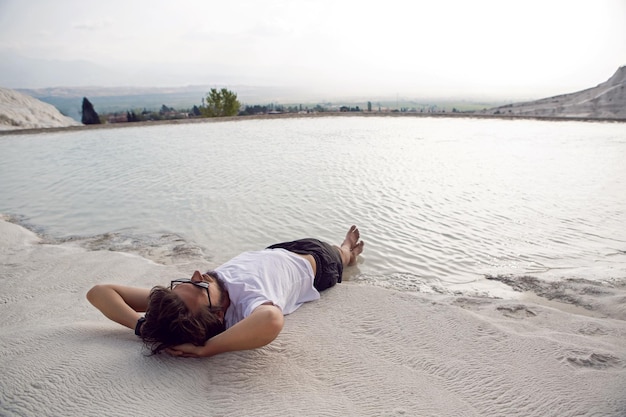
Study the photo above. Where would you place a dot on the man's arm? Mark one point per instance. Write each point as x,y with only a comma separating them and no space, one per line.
257,330
120,303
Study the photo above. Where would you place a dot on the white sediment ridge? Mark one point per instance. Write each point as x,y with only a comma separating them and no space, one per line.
20,111
604,101
359,351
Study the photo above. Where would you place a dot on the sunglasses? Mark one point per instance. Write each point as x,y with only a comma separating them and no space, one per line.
199,284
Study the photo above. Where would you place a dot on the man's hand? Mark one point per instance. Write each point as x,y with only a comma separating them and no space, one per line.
186,350
256,330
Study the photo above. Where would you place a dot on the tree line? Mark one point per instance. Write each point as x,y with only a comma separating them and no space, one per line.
216,103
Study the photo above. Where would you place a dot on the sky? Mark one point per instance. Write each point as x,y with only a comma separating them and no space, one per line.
438,48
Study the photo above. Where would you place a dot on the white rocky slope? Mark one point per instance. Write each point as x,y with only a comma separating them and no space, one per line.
605,101
19,111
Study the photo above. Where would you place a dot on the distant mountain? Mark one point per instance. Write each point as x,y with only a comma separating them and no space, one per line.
19,111
605,101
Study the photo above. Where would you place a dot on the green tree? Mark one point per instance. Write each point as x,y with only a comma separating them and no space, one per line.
220,103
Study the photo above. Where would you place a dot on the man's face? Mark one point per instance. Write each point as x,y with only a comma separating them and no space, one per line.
196,297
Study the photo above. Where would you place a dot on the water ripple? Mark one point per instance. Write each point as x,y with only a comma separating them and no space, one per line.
440,201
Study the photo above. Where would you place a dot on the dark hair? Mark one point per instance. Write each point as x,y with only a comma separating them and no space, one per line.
169,322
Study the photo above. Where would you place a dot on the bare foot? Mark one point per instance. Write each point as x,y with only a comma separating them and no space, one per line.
352,238
351,247
356,251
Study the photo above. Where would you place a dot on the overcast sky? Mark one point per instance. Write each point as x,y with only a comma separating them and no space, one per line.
491,48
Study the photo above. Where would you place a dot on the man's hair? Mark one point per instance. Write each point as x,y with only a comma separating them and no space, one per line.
169,322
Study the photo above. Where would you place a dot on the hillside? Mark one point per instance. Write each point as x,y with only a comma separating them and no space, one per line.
20,111
605,101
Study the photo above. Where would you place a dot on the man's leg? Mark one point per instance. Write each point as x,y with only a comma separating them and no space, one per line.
329,259
351,247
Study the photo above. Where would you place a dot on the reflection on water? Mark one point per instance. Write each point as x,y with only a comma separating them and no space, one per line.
440,202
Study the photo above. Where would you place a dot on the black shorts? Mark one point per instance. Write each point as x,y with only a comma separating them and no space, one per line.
327,260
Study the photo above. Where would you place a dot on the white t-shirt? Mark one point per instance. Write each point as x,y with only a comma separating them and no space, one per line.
275,275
